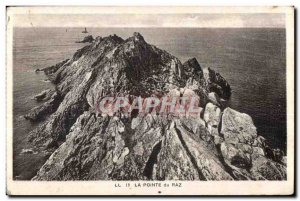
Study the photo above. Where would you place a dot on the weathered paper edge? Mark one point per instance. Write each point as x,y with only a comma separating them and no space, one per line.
189,187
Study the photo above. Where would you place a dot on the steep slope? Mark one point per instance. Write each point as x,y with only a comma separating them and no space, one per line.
218,144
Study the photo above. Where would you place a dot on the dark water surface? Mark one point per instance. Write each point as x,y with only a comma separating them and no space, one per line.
251,60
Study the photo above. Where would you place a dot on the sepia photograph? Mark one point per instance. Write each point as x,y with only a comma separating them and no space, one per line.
144,101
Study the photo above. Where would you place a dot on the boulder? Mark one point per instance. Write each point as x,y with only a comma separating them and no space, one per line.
212,117
237,127
218,140
235,156
214,98
257,152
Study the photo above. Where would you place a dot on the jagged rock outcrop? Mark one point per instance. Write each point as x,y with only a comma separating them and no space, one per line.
192,66
51,69
87,39
51,99
214,82
217,144
42,96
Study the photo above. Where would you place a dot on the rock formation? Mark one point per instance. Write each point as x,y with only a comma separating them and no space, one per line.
51,69
219,144
87,39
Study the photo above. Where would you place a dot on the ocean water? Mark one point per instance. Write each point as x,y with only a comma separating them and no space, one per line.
252,60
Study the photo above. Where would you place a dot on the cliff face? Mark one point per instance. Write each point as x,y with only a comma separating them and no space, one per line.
218,144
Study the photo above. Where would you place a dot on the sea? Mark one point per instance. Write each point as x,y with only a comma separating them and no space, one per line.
252,60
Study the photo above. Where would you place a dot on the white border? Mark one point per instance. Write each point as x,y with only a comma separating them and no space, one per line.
190,188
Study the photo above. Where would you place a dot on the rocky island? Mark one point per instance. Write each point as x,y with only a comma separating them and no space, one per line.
219,144
87,39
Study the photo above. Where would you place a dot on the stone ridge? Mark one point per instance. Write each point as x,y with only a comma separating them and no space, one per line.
220,144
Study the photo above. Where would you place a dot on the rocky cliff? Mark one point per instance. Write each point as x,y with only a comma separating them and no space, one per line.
218,144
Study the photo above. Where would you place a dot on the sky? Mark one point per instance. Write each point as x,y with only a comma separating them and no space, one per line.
233,20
